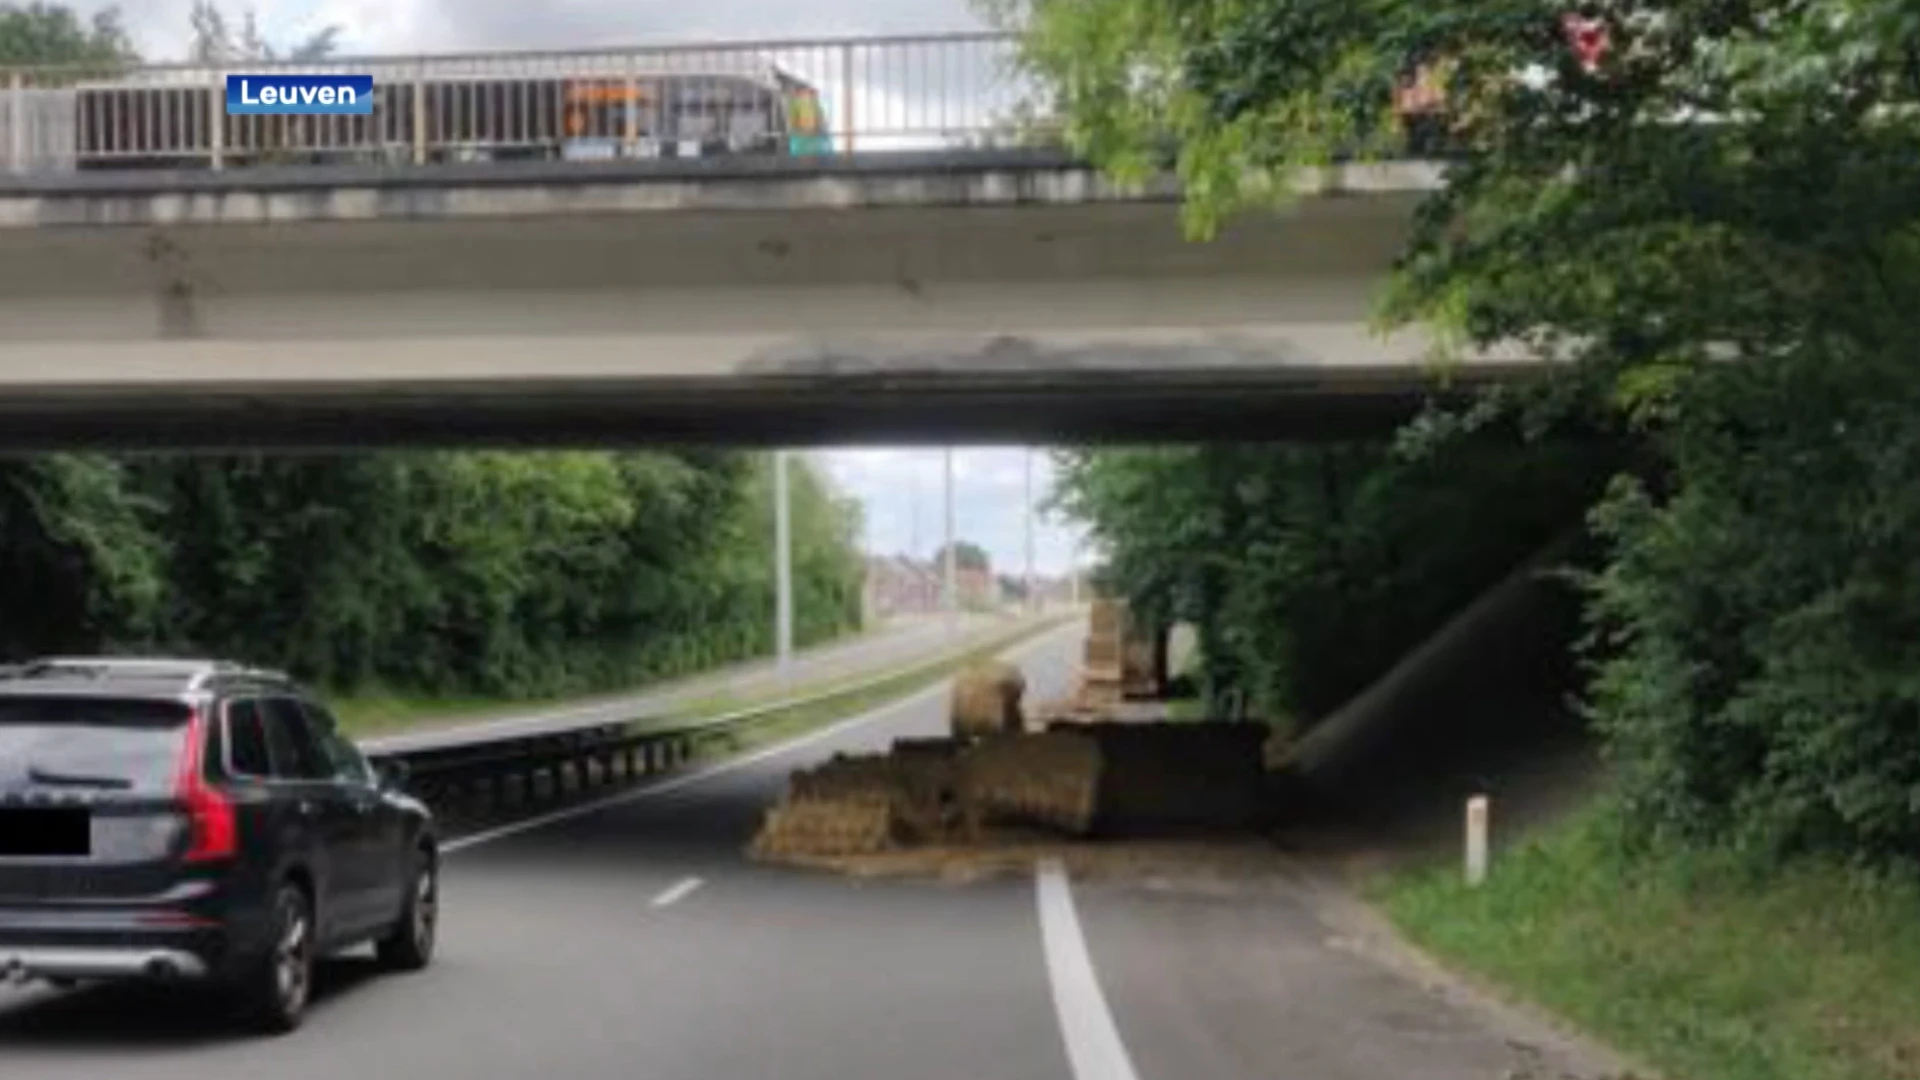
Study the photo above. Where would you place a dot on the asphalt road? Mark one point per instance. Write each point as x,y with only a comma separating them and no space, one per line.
904,642
632,940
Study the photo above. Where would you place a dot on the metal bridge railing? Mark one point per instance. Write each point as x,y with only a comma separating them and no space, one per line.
789,98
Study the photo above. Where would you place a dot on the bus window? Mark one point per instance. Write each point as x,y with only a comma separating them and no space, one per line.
756,123
597,118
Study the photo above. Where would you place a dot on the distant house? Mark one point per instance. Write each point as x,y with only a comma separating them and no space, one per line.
977,586
1053,590
897,585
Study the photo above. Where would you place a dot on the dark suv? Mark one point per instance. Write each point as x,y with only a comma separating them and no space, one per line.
201,822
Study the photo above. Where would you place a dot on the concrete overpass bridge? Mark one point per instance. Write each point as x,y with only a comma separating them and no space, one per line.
893,293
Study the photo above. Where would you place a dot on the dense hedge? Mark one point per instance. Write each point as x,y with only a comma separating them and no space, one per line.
1757,629
499,573
1309,570
1742,292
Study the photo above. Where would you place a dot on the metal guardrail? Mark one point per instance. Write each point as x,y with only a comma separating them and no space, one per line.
602,754
866,94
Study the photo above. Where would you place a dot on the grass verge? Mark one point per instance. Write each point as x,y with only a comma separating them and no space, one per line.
800,719
383,712
1190,704
1186,709
380,712
727,701
1701,968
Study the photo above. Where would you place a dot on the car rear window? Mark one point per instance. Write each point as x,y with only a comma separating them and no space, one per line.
89,743
247,741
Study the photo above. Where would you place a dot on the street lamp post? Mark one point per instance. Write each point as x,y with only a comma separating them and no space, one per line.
1032,601
951,601
1078,554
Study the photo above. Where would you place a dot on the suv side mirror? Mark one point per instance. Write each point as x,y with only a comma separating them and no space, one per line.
392,773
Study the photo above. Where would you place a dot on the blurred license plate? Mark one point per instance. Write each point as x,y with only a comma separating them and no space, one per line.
45,831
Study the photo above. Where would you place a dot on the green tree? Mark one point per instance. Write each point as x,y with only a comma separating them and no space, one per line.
503,573
216,40
966,556
79,568
1309,570
38,33
496,573
1720,183
302,562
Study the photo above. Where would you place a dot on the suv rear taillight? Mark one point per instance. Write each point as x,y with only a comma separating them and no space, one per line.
211,830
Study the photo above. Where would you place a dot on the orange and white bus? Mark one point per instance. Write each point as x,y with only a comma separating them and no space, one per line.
165,119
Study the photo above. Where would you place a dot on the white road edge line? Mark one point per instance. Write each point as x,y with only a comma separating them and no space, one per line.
1093,1040
668,786
678,892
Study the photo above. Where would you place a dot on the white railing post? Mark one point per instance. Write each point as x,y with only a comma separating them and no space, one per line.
631,137
420,115
846,94
17,122
1477,812
217,122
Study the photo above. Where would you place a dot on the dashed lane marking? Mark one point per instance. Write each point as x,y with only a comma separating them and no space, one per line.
1093,1040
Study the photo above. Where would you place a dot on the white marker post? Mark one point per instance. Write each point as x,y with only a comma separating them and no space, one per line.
1477,840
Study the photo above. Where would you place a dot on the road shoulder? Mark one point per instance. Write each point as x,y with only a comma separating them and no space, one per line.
1281,972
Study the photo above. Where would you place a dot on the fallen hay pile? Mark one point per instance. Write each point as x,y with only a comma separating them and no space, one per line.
1160,776
1073,781
1050,780
986,700
824,827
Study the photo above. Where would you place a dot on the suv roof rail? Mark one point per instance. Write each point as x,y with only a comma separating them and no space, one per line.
226,670
197,672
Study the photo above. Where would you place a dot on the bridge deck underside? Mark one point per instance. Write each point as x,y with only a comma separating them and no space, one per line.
1064,320
1346,403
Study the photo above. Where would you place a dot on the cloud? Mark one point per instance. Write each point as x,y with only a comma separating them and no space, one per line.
388,26
577,24
162,33
901,492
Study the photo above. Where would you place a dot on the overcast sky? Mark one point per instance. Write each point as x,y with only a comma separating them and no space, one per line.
377,26
989,498
989,482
